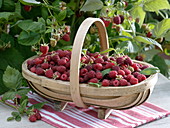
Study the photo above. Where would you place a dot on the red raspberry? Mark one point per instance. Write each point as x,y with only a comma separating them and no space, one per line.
86,78
47,58
97,66
89,67
116,83
33,69
81,80
62,53
68,65
105,58
44,48
135,67
129,76
27,8
109,65
91,74
149,34
105,82
99,75
122,18
63,77
54,68
83,71
32,118
136,74
117,20
106,22
38,61
45,66
127,71
140,58
39,71
66,37
49,73
112,59
35,110
133,81
128,61
38,116
61,69
93,80
83,59
141,77
99,60
144,67
123,82
120,60
56,75
55,58
113,74
62,62
121,72
116,68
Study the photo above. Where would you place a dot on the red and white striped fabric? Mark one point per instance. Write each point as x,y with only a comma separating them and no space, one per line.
73,117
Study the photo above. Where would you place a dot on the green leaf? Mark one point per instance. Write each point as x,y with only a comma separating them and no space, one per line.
121,38
28,38
18,118
8,5
150,71
138,12
10,118
147,41
62,15
37,106
6,15
0,3
23,91
161,28
95,84
12,78
167,36
92,5
149,54
106,71
14,114
9,95
156,5
107,50
30,2
3,88
24,103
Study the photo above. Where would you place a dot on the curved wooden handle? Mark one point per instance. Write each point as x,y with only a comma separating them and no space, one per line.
76,54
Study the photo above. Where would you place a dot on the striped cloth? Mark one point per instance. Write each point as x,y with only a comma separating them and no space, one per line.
74,117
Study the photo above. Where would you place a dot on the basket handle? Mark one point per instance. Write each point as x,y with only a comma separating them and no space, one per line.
76,54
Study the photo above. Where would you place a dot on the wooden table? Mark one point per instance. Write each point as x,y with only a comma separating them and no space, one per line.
160,97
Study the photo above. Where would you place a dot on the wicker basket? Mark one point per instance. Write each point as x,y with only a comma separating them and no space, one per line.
84,95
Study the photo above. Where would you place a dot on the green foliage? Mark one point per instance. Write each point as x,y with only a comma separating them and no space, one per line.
150,71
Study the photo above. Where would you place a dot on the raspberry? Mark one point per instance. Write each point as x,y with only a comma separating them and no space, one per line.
56,75
32,118
121,72
91,74
127,71
133,81
122,18
149,34
99,75
61,69
129,76
105,58
39,71
38,116
105,83
62,53
66,37
93,80
44,48
35,110
141,77
123,82
81,80
52,63
45,66
27,8
33,69
89,67
62,62
55,58
144,67
83,71
83,59
116,68
63,77
86,78
116,83
117,20
47,58
128,61
109,65
135,67
68,65
38,61
112,59
49,73
106,22
97,66
99,60
140,58
120,60
136,74
113,74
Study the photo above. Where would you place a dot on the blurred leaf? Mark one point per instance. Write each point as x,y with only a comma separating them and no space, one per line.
23,91
62,15
18,118
161,28
28,38
0,3
121,38
138,12
3,88
12,78
147,41
167,36
23,104
10,118
92,5
149,54
30,2
126,34
150,71
8,5
106,71
6,15
9,95
14,114
95,84
156,5
37,106
107,50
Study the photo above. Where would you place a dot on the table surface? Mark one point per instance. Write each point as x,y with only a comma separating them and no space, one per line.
160,96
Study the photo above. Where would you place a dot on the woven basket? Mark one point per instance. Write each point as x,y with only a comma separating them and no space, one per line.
84,95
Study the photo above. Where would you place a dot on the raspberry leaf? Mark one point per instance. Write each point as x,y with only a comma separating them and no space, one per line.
18,118
150,71
10,118
37,106
8,95
106,71
107,50
29,2
95,84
